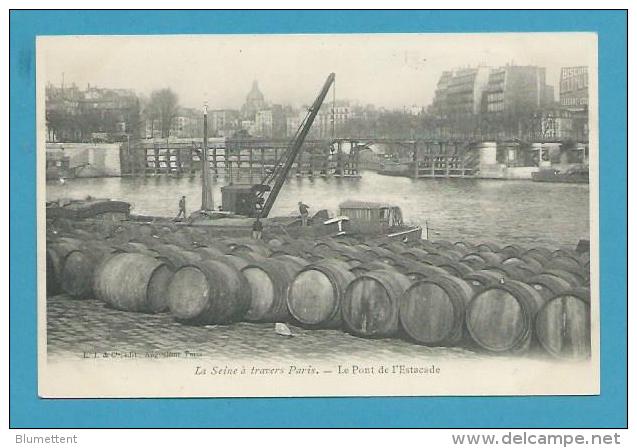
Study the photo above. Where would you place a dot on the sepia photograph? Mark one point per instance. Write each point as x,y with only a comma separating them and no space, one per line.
318,215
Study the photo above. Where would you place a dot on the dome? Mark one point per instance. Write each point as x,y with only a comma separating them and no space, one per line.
255,94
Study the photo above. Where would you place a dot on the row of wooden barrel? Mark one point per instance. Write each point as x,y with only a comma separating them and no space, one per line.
233,281
491,253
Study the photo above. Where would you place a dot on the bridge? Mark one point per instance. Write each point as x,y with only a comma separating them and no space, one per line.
341,157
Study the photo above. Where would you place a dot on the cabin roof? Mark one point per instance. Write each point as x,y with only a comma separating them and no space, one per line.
366,205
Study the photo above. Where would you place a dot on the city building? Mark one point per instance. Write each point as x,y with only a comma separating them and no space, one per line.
574,97
93,114
223,122
439,105
331,119
488,102
263,123
255,101
188,123
293,123
512,96
574,87
517,90
553,124
465,89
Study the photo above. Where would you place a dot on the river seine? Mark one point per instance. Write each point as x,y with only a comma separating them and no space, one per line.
522,212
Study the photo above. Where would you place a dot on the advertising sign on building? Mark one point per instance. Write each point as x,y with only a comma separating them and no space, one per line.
574,86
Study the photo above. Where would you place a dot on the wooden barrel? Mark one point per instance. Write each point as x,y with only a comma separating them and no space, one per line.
572,279
181,237
393,246
136,248
175,257
528,262
371,266
422,271
208,292
358,270
442,244
500,317
575,279
478,260
233,260
133,282
539,253
56,252
473,262
569,265
481,279
252,248
452,254
509,272
354,253
431,259
374,252
275,243
548,285
209,252
488,246
416,253
269,280
426,245
315,294
84,235
565,252
371,302
285,250
456,268
432,311
249,256
563,324
525,271
219,245
466,247
141,232
79,267
571,262
512,250
291,259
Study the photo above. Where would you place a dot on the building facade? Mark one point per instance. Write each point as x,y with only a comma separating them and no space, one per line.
93,114
489,102
574,87
223,122
514,94
574,97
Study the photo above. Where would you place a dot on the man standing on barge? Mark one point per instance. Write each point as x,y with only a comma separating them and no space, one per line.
303,209
182,207
257,229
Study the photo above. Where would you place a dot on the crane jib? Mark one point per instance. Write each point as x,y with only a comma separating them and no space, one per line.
283,166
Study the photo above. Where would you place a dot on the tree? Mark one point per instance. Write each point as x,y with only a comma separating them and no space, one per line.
163,105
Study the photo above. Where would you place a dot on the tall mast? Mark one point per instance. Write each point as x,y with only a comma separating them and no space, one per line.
207,202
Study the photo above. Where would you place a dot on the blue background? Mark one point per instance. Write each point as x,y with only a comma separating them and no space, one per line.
607,410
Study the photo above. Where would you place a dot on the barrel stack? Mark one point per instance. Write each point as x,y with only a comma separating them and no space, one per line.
485,296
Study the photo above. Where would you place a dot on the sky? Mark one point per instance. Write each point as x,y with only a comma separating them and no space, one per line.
387,70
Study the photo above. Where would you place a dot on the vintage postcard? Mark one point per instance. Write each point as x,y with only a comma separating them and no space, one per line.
318,215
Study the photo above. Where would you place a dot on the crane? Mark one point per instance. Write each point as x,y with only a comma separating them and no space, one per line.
282,167
259,199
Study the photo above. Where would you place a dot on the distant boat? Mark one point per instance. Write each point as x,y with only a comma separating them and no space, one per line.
574,175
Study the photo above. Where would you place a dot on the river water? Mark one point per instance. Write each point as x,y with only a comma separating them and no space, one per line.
522,212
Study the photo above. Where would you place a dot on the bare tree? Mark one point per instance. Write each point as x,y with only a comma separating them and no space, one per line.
163,105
